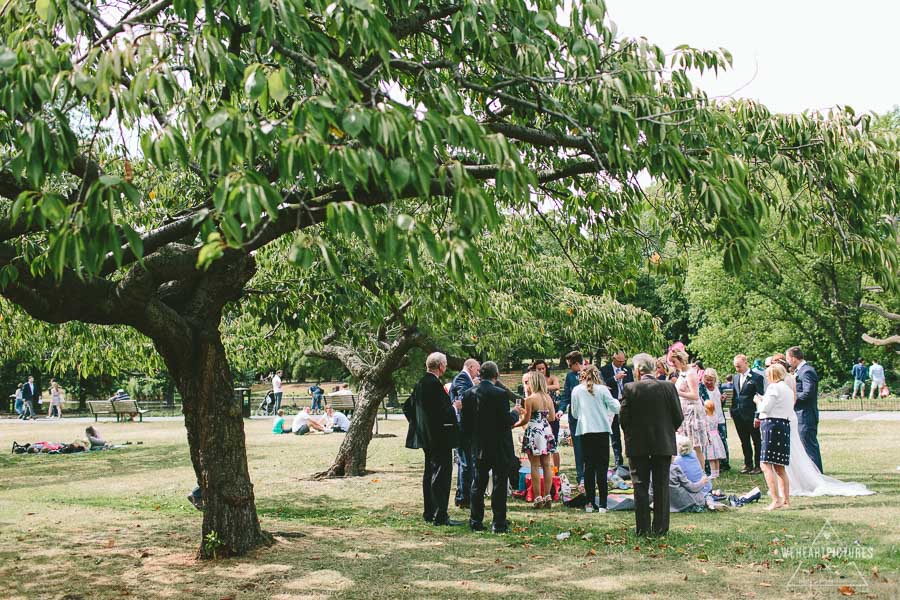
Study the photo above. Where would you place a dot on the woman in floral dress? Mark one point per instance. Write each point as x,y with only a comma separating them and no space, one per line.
539,442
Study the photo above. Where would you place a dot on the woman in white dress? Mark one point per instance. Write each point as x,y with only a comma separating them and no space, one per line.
804,477
688,386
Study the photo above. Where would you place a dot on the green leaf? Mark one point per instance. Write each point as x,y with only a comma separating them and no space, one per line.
134,240
400,171
254,81
53,208
45,9
216,120
354,122
278,86
8,59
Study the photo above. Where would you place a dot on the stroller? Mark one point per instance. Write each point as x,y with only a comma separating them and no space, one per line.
266,408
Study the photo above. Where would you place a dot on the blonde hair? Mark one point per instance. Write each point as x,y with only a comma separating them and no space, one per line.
538,383
713,373
681,355
776,372
589,375
685,445
710,407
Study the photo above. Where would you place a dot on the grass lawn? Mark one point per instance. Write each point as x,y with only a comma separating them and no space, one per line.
116,525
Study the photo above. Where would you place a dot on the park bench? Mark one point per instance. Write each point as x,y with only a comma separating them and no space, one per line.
101,407
127,408
345,403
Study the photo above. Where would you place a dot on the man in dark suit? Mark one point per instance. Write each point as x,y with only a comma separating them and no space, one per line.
30,394
650,414
615,375
434,420
807,404
485,409
747,385
463,382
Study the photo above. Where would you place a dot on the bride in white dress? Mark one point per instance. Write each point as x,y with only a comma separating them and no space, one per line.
804,476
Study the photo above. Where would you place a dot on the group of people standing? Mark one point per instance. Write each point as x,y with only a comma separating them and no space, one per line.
474,417
28,397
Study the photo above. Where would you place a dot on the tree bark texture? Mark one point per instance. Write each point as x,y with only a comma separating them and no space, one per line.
351,457
215,428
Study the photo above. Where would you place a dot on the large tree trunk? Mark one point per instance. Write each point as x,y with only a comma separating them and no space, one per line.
215,427
351,457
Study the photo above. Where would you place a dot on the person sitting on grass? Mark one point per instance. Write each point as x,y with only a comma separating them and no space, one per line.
303,423
96,440
339,421
278,423
688,485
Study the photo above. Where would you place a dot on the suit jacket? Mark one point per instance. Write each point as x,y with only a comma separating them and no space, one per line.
486,408
742,406
28,393
435,418
458,387
807,404
608,373
649,416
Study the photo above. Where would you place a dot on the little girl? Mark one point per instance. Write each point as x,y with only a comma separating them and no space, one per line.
715,451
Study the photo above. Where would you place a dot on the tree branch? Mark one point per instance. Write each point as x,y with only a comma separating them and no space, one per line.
880,311
888,341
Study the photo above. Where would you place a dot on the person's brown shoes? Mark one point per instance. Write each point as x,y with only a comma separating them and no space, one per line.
746,471
756,471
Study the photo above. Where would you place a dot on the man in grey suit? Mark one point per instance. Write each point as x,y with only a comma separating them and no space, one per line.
807,404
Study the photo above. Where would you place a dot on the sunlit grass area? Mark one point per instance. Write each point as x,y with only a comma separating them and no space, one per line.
116,524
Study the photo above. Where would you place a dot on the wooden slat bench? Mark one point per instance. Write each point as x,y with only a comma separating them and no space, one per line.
126,408
101,407
343,402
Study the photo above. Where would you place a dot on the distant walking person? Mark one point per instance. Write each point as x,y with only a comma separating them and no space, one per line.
877,375
57,397
29,394
650,413
19,402
807,404
860,374
276,389
318,395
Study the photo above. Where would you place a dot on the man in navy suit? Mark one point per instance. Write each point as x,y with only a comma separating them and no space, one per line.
486,413
807,404
30,394
462,383
615,375
747,385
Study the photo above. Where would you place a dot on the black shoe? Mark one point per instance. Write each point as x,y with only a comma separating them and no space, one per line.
725,467
197,502
746,470
448,523
756,471
462,505
499,528
476,526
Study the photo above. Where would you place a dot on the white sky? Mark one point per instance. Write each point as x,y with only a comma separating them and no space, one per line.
804,53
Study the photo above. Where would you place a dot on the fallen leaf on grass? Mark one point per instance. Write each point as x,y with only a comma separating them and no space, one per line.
847,590
376,480
592,552
764,584
110,543
474,571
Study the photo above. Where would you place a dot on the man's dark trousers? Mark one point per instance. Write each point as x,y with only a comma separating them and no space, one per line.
483,470
436,484
751,442
616,438
642,469
464,474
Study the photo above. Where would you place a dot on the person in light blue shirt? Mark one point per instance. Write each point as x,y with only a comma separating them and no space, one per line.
860,374
593,409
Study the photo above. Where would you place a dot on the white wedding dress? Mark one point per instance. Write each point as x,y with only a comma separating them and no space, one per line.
807,480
